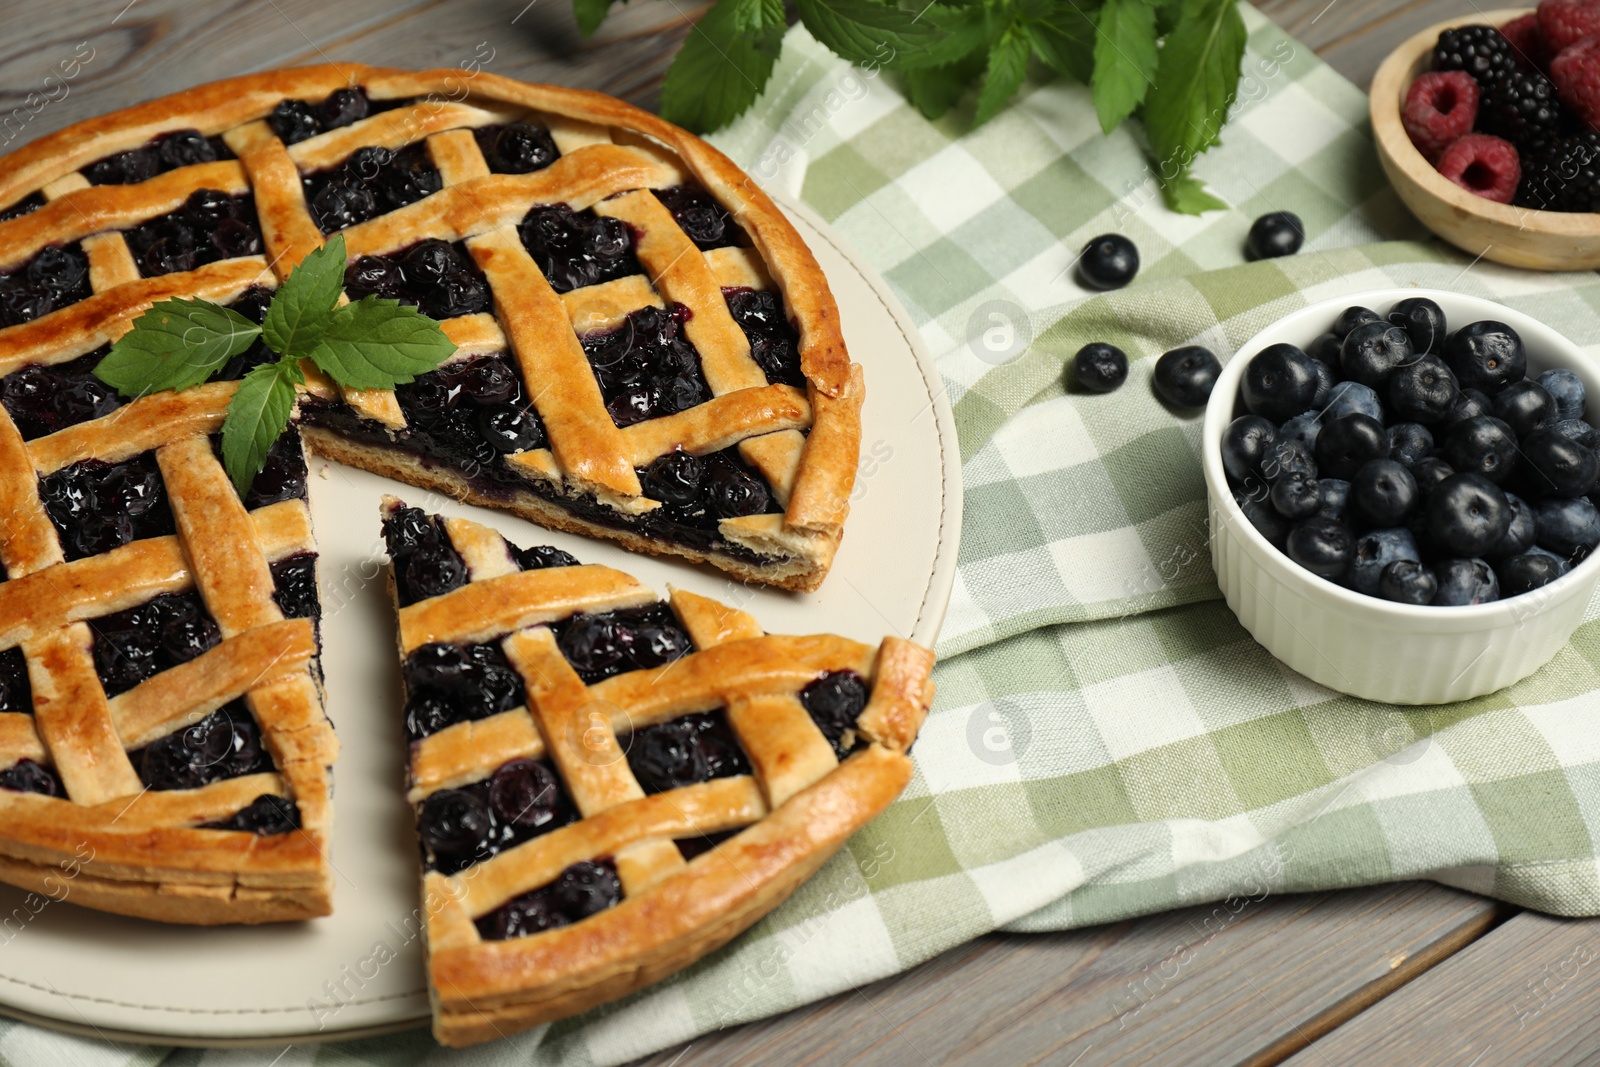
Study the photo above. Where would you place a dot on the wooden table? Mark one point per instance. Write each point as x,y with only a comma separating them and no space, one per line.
1411,972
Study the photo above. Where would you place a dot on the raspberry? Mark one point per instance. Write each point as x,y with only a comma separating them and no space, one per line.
1522,107
1440,107
1563,177
1483,165
1527,41
1481,51
1566,22
1576,71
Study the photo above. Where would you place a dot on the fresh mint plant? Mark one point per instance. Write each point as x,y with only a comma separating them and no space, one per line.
1172,63
368,344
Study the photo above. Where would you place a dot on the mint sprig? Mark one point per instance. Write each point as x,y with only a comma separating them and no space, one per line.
367,344
1175,64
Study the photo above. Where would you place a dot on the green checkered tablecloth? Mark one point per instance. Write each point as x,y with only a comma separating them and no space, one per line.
1107,740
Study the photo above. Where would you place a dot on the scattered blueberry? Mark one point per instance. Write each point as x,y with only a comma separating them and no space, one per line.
1279,233
1110,261
1184,377
1099,367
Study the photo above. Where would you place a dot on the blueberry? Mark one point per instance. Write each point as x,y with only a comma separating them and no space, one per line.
524,793
519,148
489,380
732,492
1279,233
1520,535
1327,379
1468,515
1410,443
1482,445
1296,496
1371,353
1286,458
1264,517
434,569
1353,398
438,665
1335,505
427,712
1423,321
1184,377
1486,355
1325,349
1374,551
1279,383
1579,432
26,776
1424,391
1469,405
1110,261
584,889
1099,367
1304,428
182,148
834,702
674,478
404,529
1322,546
541,557
1407,581
268,814
1465,581
1346,443
1352,317
1568,527
1558,466
1383,492
294,121
453,823
375,276
510,429
1244,446
1527,572
666,757
342,107
593,644
1568,391
1524,406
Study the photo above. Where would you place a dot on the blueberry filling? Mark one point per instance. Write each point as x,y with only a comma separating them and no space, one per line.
210,226
698,214
180,148
582,890
602,645
774,344
646,367
578,248
142,641
98,506
516,147
522,800
294,586
225,744
297,120
695,748
42,400
447,684
54,278
704,490
369,183
471,413
268,814
282,476
834,702
26,776
691,847
26,206
16,693
433,275
426,564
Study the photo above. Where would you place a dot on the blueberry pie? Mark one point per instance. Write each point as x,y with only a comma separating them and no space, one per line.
608,786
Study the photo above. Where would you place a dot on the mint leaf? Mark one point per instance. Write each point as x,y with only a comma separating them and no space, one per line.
1187,195
379,344
1008,62
257,414
301,307
1125,59
590,14
754,16
1195,85
1063,40
175,344
879,34
720,70
935,90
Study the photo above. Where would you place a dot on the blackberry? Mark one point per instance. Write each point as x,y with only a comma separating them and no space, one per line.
1481,51
1521,106
1562,176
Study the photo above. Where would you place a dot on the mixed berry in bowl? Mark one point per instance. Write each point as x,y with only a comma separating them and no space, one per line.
1405,461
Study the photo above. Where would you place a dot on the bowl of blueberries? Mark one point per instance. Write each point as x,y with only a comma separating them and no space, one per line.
1403,489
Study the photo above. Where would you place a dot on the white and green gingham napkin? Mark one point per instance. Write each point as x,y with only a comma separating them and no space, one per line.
1107,740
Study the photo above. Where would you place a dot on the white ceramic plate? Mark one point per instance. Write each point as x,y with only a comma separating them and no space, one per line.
327,979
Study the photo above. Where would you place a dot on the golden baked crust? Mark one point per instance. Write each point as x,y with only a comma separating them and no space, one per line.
613,156
797,806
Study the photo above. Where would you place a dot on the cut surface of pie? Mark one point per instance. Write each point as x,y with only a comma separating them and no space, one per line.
647,350
609,786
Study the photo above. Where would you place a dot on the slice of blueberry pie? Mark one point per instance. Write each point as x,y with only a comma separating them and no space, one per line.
647,351
608,786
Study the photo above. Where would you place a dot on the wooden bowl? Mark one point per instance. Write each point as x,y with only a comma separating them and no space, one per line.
1516,236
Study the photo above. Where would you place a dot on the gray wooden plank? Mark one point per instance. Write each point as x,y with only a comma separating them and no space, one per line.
1354,36
1524,993
1203,986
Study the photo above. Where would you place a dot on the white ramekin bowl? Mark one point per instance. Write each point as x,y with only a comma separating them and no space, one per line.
1361,645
